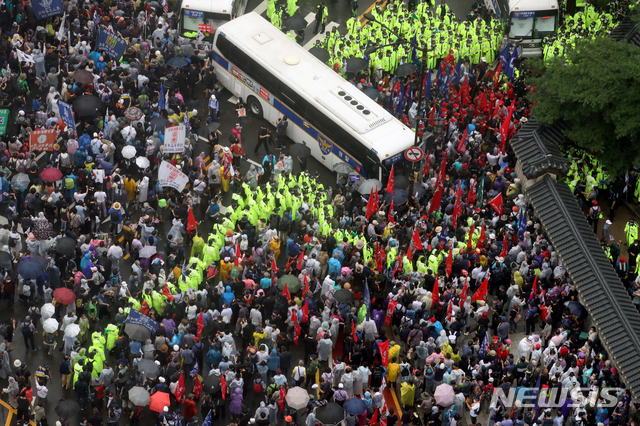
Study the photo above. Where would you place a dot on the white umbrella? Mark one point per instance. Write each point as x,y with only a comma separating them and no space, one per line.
47,311
128,151
72,330
147,252
444,395
142,162
50,325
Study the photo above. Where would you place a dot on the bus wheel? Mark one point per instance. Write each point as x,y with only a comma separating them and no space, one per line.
255,107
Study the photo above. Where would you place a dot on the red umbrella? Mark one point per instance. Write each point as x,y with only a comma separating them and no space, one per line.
51,174
64,296
159,400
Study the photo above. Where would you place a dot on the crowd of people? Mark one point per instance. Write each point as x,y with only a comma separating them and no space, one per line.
226,309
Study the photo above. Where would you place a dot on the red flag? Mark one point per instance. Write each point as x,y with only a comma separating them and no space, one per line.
283,394
463,295
197,387
370,210
285,292
374,418
470,242
305,311
450,310
380,256
457,208
436,200
481,293
191,221
300,261
390,308
496,203
274,266
384,352
496,76
180,388
462,145
390,217
410,253
376,202
306,286
166,293
534,288
236,261
417,244
384,415
483,102
223,386
442,173
435,294
483,236
450,261
472,192
353,331
296,327
505,246
200,324
390,181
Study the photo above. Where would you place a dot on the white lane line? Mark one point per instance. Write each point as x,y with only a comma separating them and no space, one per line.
262,7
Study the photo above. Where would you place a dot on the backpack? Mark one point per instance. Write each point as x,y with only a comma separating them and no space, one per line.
258,386
594,212
376,374
405,371
285,222
139,413
69,183
12,242
115,217
26,326
22,166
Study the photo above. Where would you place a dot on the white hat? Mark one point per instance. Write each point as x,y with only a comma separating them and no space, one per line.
608,222
20,112
484,59
157,362
165,409
340,386
158,53
176,348
95,135
17,363
213,96
162,380
194,112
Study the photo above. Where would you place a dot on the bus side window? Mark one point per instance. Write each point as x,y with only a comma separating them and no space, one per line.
371,168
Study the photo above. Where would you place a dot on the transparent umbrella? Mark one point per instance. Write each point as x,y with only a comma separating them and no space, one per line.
128,152
21,180
72,330
50,325
142,162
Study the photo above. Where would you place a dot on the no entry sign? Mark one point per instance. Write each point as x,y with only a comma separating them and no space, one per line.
413,154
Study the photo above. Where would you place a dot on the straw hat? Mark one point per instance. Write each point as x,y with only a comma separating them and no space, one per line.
117,205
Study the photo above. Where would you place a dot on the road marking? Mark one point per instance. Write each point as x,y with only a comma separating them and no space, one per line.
319,36
233,99
12,411
362,18
262,7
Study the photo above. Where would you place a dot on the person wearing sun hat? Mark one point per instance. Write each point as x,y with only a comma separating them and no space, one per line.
115,218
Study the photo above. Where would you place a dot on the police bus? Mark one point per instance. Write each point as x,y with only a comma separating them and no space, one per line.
276,76
527,20
207,15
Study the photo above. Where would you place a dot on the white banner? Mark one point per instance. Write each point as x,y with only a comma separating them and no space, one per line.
169,175
174,139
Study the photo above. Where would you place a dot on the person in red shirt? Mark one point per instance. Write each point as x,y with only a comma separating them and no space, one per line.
189,406
98,388
237,151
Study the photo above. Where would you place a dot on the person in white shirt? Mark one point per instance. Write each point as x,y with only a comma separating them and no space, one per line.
191,311
101,199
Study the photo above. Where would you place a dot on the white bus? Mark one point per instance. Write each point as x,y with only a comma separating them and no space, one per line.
212,13
275,76
527,20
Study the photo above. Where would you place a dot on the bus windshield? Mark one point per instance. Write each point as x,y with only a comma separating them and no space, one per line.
191,19
533,24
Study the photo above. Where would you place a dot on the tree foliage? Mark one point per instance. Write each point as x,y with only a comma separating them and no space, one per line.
596,89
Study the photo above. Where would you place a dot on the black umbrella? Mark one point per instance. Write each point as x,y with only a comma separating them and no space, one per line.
211,384
67,408
399,197
577,309
41,260
158,123
356,65
400,181
330,414
149,368
299,150
320,53
178,62
210,128
343,296
30,269
87,105
405,69
83,76
295,23
5,257
372,93
66,245
137,332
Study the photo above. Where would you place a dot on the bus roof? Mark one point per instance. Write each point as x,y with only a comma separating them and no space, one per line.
309,76
529,5
217,6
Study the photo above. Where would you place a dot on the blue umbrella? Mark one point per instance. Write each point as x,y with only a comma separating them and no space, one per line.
355,406
399,196
178,62
30,269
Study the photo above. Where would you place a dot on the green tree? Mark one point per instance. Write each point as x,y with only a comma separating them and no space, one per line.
596,89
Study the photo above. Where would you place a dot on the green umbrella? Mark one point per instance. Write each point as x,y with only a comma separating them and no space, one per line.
292,282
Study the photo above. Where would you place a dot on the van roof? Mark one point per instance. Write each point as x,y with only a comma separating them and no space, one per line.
208,5
528,5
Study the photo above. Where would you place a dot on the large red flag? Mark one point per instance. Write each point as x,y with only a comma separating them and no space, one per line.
435,294
374,418
236,261
300,261
442,173
457,207
370,210
296,327
390,308
481,292
353,331
496,76
166,293
436,200
285,292
191,221
306,286
462,145
450,310
471,199
417,244
180,388
534,288
274,266
223,386
483,236
390,181
200,324
496,203
283,394
376,202
305,310
470,241
410,253
463,295
505,246
384,352
450,261
390,217
197,387
383,415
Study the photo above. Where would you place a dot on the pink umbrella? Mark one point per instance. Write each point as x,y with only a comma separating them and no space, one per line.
51,174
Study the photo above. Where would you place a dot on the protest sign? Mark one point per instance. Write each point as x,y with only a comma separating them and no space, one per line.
170,176
174,139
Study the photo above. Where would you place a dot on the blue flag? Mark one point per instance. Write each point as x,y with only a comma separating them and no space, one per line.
427,85
509,69
522,223
444,81
176,419
414,54
111,44
106,120
485,346
456,73
400,100
161,97
136,317
367,299
187,127
366,56
536,392
409,95
47,8
390,102
443,234
207,420
66,114
504,56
